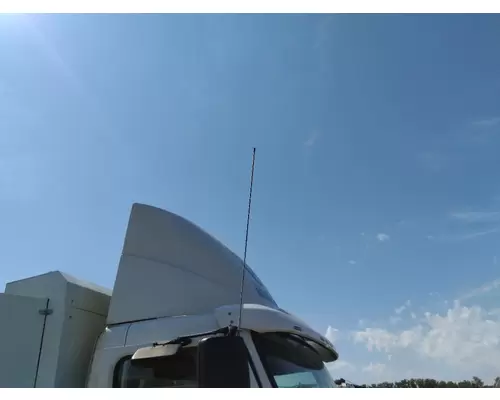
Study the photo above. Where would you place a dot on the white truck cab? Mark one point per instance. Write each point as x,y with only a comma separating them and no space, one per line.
282,351
173,319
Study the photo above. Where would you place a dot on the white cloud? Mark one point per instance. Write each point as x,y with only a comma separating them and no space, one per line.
375,338
465,337
375,368
454,344
486,288
312,139
464,236
385,341
383,237
468,218
488,122
495,311
478,234
340,365
331,334
476,216
399,310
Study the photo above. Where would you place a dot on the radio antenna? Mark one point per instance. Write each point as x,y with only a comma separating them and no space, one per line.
246,241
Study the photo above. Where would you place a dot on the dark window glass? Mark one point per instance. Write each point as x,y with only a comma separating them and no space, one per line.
178,370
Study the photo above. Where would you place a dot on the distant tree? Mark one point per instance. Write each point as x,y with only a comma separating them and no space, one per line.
476,382
431,383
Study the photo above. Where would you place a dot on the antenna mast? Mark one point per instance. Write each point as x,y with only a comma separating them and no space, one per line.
246,241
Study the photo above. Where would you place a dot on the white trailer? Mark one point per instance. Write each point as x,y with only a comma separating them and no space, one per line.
173,319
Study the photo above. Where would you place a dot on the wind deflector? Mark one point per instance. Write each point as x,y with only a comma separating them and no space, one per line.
171,267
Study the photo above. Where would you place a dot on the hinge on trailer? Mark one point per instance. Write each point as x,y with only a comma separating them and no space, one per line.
45,311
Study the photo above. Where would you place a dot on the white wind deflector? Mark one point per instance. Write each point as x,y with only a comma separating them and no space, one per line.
171,267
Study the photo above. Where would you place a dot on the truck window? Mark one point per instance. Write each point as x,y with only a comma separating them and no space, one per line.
178,370
290,362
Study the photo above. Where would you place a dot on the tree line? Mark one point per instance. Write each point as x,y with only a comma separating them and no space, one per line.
475,382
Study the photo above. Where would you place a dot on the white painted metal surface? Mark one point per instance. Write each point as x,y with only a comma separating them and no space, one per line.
21,328
258,318
165,329
255,317
78,314
170,267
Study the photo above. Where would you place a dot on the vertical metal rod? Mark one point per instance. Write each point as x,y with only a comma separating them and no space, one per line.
41,343
246,241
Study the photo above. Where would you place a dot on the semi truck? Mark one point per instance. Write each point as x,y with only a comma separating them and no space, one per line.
181,314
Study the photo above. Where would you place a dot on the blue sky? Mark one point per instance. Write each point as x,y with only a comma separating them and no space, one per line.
376,182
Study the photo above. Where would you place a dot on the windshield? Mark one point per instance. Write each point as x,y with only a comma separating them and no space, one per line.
290,362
